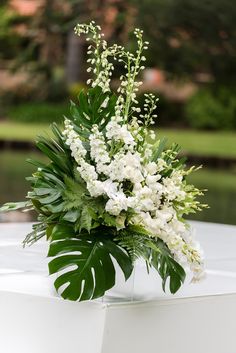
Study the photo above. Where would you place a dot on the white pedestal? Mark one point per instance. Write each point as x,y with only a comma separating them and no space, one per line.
201,318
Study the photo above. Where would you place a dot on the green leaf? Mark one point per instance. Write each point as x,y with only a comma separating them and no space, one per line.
109,220
95,107
162,260
62,231
85,220
159,148
13,206
90,271
136,245
57,151
71,216
73,193
38,232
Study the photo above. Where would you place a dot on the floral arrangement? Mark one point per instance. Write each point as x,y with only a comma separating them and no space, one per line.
108,192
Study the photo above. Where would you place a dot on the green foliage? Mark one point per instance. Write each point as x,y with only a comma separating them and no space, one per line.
39,231
73,194
13,206
166,266
138,244
213,108
9,39
95,107
38,112
185,44
134,240
75,89
88,262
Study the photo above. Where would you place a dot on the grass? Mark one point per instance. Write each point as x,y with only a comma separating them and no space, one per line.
44,112
22,131
219,144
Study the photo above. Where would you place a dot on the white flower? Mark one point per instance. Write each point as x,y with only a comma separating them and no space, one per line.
87,171
110,188
151,168
116,204
119,132
173,188
165,214
95,188
161,164
98,150
74,142
152,179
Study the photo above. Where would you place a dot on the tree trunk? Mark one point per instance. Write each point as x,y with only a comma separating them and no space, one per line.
74,59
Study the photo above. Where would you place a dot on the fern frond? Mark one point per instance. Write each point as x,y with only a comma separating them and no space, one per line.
73,194
134,244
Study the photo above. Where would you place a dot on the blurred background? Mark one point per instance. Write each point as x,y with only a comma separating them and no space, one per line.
191,66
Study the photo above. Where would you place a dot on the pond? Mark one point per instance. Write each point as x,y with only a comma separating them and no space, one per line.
221,185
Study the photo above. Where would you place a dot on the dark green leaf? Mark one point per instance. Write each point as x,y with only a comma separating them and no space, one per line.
94,273
162,260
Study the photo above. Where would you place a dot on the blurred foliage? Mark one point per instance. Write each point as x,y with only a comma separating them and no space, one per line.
27,91
221,187
10,41
190,36
40,44
75,89
187,38
212,108
38,112
14,167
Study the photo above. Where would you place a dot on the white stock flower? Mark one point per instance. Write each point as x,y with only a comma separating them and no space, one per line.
98,150
151,168
119,132
74,142
116,204
87,171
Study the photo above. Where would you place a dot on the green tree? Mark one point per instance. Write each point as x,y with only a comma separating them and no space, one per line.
10,41
191,36
49,41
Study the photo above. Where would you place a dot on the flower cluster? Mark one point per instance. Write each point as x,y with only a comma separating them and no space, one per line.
127,180
120,163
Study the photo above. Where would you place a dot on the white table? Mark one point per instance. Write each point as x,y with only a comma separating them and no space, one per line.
200,318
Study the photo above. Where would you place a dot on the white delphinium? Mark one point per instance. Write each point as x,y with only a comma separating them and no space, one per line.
126,166
101,67
97,188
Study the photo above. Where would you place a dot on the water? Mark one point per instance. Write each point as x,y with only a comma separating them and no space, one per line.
221,185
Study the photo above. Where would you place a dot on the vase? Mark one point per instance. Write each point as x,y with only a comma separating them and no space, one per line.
141,285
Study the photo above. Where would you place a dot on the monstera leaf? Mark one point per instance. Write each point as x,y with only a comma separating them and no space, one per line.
88,262
95,107
166,266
